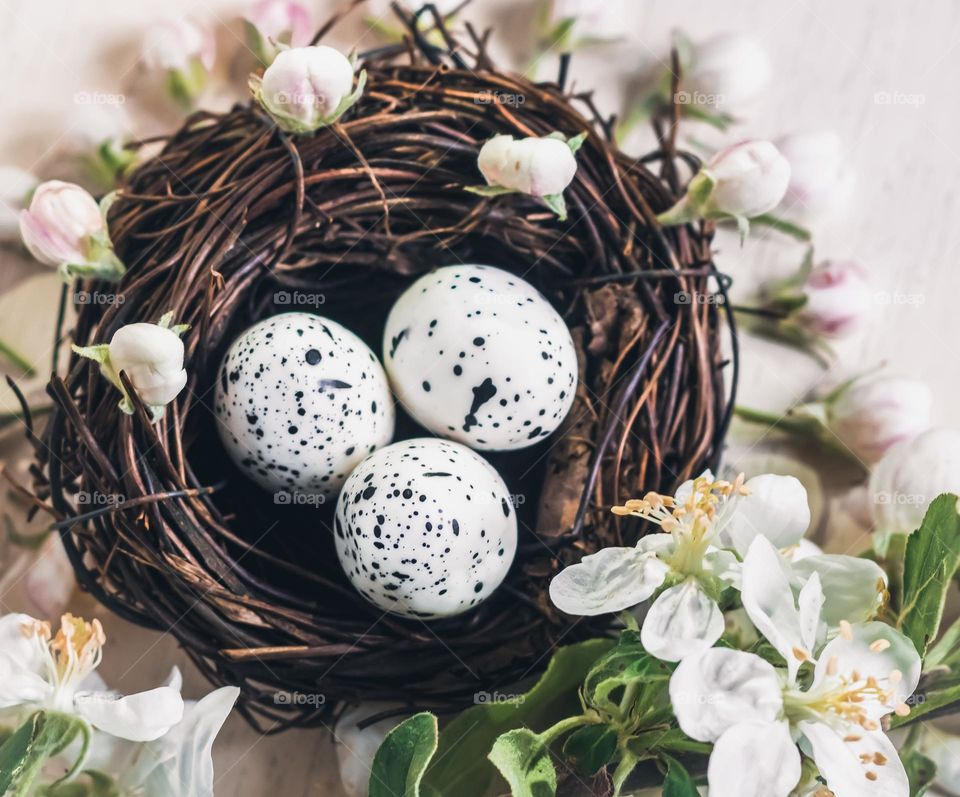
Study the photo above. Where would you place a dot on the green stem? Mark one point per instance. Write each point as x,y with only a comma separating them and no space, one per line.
782,225
562,727
786,423
17,359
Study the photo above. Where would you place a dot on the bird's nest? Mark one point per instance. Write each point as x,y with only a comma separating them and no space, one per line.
232,214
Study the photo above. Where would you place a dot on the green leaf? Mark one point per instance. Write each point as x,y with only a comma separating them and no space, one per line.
14,753
627,665
628,762
557,204
921,772
591,748
784,226
667,740
43,735
678,782
524,761
576,142
461,767
402,759
932,559
489,190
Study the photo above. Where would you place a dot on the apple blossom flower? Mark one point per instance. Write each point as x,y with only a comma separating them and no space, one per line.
836,299
690,558
819,176
65,227
755,715
151,355
275,24
741,182
41,670
307,88
539,166
185,51
910,475
872,414
16,186
730,69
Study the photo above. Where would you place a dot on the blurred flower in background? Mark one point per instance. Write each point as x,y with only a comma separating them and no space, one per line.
820,176
16,187
273,24
185,52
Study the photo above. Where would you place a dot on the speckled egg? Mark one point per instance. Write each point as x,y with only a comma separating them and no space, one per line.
300,402
476,354
425,528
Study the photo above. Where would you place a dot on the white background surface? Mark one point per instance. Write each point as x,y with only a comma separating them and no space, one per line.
831,59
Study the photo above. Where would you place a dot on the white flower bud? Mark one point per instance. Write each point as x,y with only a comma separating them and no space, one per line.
357,748
819,177
152,357
910,475
537,166
750,179
837,299
184,50
306,88
61,224
15,187
273,22
728,70
871,415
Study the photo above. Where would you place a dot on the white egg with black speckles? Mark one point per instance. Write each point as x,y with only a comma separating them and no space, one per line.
425,528
300,402
476,354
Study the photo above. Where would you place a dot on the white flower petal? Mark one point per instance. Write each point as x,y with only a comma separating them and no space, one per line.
850,767
723,565
17,645
810,603
682,620
140,718
19,685
684,490
768,600
944,750
893,652
607,581
717,689
804,549
754,759
776,507
184,761
853,587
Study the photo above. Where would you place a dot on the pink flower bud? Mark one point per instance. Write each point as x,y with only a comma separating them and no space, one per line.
819,177
175,44
60,224
837,299
750,179
274,22
872,414
536,166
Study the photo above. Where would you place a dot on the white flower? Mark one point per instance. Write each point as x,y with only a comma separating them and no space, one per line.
151,355
837,298
872,414
61,223
57,672
16,186
755,715
741,182
277,22
180,762
729,69
819,176
536,166
185,51
356,747
307,88
944,750
910,475
589,20
703,519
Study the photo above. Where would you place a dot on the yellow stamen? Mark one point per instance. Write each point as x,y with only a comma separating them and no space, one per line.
879,645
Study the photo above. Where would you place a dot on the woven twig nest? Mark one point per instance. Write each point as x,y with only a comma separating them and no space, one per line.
234,211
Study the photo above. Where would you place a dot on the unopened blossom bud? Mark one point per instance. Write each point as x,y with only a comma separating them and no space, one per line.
836,299
277,22
742,182
819,176
871,415
307,88
587,20
64,227
151,355
536,166
15,188
728,70
185,51
910,475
